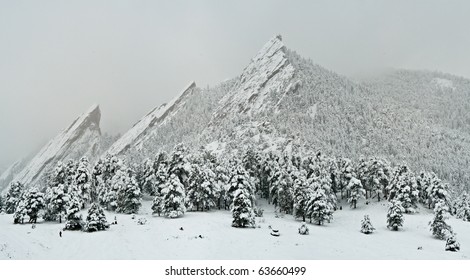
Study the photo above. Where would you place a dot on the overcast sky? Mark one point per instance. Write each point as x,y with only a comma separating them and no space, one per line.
59,57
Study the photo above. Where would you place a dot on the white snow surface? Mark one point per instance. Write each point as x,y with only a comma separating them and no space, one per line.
81,138
143,129
161,238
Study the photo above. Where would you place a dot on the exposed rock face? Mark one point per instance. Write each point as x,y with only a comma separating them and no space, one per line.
81,138
262,84
143,130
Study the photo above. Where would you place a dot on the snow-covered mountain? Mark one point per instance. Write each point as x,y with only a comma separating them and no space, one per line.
145,127
81,138
283,100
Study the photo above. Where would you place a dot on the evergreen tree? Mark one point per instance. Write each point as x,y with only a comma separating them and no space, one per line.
74,220
148,177
56,203
403,187
239,179
129,196
437,191
83,179
439,228
13,197
96,219
302,196
345,174
366,225
2,203
395,215
462,207
356,191
203,190
242,208
318,208
173,198
32,201
452,244
378,177
179,165
20,212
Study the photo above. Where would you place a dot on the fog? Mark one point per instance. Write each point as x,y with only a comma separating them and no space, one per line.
59,57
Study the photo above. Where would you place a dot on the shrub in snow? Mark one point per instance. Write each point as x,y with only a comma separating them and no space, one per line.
173,198
142,221
303,229
74,220
356,191
13,197
439,228
366,225
452,244
242,209
95,220
395,215
258,212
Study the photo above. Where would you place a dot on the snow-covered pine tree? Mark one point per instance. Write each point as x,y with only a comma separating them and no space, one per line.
366,225
20,212
439,228
13,196
302,194
282,192
110,198
148,177
158,204
378,177
462,207
239,179
242,208
56,203
423,181
173,198
31,202
403,187
83,179
437,191
356,191
395,215
58,175
71,171
129,196
74,220
222,180
362,174
203,191
2,203
179,165
452,244
318,208
252,165
345,174
96,219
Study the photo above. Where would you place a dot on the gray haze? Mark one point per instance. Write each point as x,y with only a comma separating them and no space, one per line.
58,57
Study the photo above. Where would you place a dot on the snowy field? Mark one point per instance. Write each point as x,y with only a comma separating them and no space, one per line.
161,238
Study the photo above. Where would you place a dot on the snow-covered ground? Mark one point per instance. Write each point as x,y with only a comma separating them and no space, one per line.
161,238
